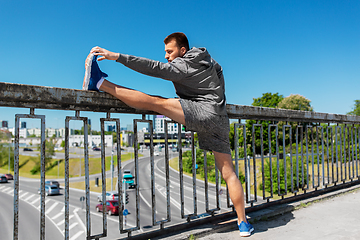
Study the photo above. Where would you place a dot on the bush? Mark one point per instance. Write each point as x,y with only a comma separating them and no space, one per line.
282,178
187,165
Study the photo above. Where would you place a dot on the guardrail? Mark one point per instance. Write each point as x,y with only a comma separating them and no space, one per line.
284,155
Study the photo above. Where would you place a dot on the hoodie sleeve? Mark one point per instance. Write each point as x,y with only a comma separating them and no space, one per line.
173,71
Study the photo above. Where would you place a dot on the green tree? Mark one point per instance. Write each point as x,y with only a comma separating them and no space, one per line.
296,102
356,109
49,153
5,138
293,102
270,100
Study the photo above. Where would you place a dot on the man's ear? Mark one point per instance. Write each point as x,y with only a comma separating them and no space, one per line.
182,51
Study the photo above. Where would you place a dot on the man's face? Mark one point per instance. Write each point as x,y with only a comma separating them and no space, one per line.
172,51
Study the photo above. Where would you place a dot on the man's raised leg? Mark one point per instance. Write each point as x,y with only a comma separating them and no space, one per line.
169,107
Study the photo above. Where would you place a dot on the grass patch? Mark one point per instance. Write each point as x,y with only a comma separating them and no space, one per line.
93,188
26,163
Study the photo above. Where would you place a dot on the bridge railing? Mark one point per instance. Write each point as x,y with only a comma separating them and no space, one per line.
280,156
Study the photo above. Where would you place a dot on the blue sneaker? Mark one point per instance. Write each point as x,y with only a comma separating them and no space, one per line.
92,73
245,229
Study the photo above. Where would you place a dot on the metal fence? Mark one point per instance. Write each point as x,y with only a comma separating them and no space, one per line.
282,155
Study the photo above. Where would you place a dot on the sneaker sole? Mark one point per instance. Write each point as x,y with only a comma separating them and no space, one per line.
87,72
246,234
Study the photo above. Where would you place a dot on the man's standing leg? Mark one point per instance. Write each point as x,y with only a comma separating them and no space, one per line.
225,165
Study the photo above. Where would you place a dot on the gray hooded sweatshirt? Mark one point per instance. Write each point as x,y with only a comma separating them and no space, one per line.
196,76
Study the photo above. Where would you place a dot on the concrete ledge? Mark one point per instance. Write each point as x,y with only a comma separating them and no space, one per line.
30,96
256,216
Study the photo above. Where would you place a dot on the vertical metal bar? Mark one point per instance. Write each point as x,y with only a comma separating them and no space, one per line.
181,177
284,158
152,171
271,155
119,172
67,204
297,156
337,141
167,174
103,177
318,154
87,177
218,186
307,157
343,158
353,148
87,180
302,156
254,163
16,179
16,172
42,160
206,183
327,156
332,135
194,180
322,155
351,156
236,147
137,173
312,157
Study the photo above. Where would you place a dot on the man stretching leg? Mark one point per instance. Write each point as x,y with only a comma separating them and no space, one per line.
199,82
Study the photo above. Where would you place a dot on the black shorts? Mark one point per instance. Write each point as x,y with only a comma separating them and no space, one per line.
212,129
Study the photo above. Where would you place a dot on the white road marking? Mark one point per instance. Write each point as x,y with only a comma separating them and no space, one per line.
63,221
28,198
51,208
76,235
57,215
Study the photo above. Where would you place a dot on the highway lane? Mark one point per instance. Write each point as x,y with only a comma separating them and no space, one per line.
31,186
160,193
29,220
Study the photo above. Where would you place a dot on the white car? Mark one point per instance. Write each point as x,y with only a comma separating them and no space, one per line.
156,153
109,196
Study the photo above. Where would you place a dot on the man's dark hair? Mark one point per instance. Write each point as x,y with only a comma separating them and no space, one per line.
180,39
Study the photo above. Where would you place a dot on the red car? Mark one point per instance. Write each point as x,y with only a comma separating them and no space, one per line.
9,176
112,207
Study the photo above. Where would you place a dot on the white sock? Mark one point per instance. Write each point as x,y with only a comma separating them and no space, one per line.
98,85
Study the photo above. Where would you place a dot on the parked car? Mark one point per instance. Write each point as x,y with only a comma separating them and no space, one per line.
50,190
96,149
129,179
109,196
52,182
27,149
156,154
9,176
3,179
112,207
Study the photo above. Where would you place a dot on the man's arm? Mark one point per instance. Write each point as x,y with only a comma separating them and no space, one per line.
174,71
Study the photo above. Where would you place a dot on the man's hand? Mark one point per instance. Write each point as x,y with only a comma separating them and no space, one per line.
105,54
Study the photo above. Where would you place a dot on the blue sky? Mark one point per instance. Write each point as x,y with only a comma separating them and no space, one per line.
306,47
